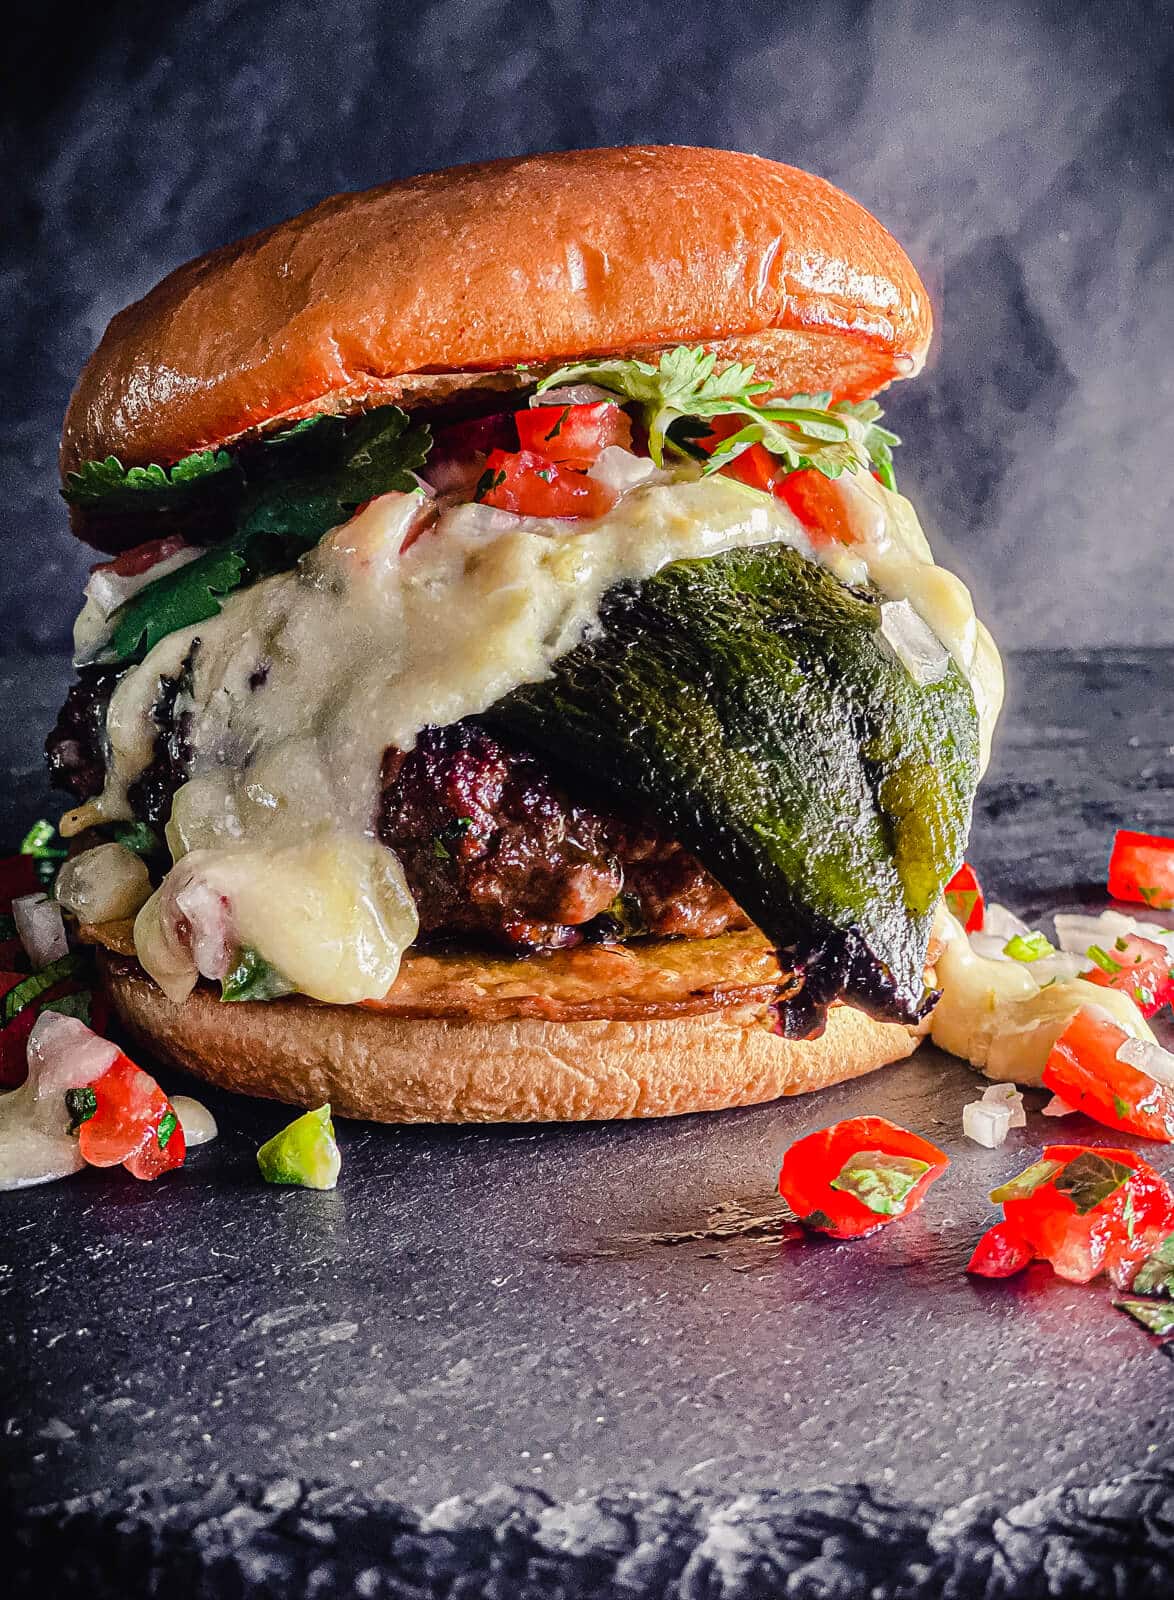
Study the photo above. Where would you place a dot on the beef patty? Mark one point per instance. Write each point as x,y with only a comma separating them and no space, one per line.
493,844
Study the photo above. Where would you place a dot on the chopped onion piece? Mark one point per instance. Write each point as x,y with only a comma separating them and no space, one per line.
1076,931
914,642
1149,1058
619,470
988,1125
1006,1094
575,394
40,929
1056,1107
197,1122
1000,923
104,884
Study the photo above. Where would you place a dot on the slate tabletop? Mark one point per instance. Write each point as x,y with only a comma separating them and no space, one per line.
572,1360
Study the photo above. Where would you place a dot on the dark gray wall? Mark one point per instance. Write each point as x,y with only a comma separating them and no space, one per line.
1020,151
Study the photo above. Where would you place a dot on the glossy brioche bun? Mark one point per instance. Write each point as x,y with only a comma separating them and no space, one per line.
387,1068
445,282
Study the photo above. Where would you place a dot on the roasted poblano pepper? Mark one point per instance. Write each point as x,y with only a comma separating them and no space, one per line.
749,703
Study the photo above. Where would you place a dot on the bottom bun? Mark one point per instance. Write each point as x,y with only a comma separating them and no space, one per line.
384,1068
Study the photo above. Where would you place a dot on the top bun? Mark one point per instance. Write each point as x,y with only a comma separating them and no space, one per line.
450,280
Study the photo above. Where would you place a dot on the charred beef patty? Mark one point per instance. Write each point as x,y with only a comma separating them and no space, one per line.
492,845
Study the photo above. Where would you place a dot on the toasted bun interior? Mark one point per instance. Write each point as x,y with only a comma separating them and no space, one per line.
448,281
392,1068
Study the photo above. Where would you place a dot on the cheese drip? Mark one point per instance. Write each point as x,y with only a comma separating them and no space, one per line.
294,691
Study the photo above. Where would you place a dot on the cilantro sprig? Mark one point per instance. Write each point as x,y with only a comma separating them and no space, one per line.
277,497
684,388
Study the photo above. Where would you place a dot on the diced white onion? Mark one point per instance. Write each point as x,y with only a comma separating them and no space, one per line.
1076,931
1006,1094
914,642
574,394
40,929
103,884
619,470
64,1054
1056,1107
1149,1058
1000,923
988,1125
197,1122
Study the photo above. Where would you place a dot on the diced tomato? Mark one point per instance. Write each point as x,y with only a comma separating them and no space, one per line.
573,434
754,466
1000,1253
134,1124
1141,868
142,557
18,875
1138,967
816,501
533,486
1083,1069
1078,1233
964,898
814,1168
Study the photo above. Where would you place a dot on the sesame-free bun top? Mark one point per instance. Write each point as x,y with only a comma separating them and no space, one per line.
448,281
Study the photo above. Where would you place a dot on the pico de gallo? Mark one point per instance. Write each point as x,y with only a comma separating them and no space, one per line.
1141,868
856,1176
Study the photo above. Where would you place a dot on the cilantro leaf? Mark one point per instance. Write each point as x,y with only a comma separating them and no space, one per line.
115,487
295,487
684,387
168,1123
1152,1314
28,989
1026,1182
1156,1273
881,1181
252,978
81,1104
190,594
1089,1180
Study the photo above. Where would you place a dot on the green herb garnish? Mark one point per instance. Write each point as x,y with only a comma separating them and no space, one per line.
42,843
1089,1180
280,495
81,1104
1026,1182
168,1123
1152,1314
138,837
25,992
79,1005
1028,947
1156,1273
881,1181
252,978
114,487
684,388
1103,959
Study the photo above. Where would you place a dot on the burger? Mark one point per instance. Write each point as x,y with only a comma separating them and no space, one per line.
514,687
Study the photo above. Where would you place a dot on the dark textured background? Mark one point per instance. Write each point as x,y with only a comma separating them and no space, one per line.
1019,150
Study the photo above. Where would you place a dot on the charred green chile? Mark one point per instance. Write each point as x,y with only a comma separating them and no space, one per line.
750,704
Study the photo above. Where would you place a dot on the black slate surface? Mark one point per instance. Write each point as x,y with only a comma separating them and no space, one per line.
486,1306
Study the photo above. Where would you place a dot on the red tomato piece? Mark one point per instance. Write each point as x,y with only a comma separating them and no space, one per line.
1141,868
18,875
816,501
813,1166
534,486
1083,1069
142,557
134,1124
573,434
754,466
1000,1253
1080,1235
1139,968
964,898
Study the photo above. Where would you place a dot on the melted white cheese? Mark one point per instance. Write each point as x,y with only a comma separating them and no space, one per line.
303,680
997,1015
